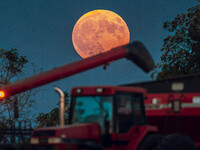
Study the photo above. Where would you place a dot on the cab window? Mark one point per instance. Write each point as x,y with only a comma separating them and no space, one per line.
129,112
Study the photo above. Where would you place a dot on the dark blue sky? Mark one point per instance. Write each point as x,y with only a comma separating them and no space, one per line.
42,31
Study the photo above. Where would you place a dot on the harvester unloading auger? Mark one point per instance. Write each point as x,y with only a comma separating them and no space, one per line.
135,51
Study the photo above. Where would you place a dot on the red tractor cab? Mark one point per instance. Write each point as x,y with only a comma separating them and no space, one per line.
101,117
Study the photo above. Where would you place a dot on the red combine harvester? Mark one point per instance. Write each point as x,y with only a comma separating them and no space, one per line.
173,105
102,117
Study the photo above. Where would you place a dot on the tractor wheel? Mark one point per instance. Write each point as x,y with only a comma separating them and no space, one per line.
176,142
150,142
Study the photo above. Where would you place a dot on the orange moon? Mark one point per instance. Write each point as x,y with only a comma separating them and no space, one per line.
99,31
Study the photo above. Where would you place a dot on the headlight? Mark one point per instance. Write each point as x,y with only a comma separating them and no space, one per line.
99,90
79,91
54,140
34,141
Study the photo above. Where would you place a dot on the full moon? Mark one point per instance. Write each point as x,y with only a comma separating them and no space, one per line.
99,31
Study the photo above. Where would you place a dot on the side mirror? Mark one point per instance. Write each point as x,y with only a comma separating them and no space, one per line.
138,53
176,106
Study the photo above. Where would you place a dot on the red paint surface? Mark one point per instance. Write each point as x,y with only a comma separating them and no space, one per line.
187,122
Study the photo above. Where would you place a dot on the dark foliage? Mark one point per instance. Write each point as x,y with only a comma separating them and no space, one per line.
181,49
52,118
11,70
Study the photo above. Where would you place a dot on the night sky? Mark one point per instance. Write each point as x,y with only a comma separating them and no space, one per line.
42,31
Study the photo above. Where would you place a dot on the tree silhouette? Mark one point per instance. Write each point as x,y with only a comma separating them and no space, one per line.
52,118
11,69
181,49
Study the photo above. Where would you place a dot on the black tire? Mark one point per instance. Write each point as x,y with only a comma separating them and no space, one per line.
150,142
176,142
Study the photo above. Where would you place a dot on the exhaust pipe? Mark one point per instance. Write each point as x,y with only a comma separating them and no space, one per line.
62,106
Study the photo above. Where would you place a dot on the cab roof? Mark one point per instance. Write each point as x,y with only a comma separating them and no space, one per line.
105,90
